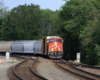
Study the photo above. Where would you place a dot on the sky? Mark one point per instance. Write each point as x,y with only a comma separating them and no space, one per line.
44,4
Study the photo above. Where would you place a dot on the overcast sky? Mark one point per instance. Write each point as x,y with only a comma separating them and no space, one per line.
44,4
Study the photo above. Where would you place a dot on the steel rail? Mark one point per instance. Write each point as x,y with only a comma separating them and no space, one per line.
35,72
85,71
82,70
19,77
74,72
80,64
85,65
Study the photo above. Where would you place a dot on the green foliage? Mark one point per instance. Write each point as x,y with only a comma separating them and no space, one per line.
97,48
23,23
90,55
79,25
27,22
49,21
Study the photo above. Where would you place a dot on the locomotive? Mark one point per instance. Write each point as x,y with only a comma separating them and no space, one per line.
51,46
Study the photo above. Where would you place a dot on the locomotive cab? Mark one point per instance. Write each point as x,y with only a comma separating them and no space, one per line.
53,46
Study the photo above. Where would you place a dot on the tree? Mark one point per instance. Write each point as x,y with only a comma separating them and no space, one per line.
78,18
23,23
3,12
49,21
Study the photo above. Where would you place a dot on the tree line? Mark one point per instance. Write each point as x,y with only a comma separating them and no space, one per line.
77,22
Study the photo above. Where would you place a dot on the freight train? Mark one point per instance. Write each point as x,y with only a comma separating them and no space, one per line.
52,46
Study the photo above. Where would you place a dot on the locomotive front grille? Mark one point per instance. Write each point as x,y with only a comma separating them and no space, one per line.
55,54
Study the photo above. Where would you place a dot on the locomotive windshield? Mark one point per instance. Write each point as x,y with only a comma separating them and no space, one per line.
59,40
51,40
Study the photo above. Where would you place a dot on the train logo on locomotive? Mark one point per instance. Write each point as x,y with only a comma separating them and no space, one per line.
52,46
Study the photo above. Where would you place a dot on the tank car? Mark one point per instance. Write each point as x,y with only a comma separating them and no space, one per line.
52,46
5,46
30,47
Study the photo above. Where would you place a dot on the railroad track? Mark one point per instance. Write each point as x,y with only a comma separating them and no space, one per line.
85,65
24,71
81,74
21,57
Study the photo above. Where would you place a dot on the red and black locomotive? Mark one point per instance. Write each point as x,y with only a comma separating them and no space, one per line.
53,46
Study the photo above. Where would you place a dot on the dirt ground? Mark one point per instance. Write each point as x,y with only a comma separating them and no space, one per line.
5,65
45,67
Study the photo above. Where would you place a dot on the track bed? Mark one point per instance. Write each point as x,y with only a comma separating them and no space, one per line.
79,73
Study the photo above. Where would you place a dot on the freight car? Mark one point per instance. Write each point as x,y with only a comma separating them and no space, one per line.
52,46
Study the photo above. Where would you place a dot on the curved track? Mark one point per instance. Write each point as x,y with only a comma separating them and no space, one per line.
75,71
85,65
24,70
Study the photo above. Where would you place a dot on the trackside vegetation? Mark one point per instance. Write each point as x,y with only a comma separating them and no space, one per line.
77,22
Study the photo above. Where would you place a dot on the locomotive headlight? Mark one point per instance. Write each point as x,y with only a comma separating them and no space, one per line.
55,43
59,49
52,49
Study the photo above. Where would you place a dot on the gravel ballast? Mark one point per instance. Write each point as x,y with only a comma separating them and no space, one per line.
47,68
94,71
4,66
